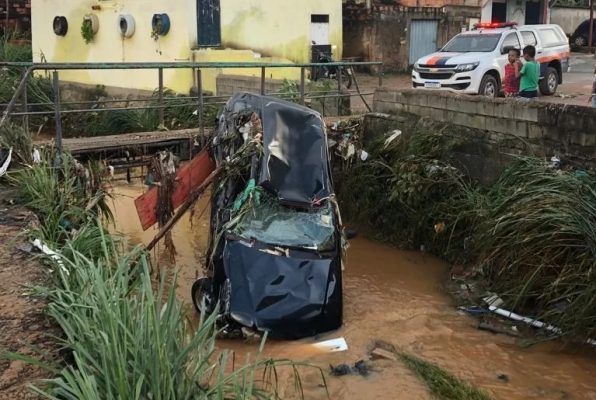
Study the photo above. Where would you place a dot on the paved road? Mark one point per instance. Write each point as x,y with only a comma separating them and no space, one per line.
576,87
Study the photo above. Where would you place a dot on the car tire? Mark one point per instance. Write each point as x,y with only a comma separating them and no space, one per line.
580,41
201,293
550,82
489,86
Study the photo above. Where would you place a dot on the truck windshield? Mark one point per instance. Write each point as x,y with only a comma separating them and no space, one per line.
472,43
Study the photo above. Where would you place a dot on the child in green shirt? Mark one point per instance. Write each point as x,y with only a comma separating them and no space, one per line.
530,74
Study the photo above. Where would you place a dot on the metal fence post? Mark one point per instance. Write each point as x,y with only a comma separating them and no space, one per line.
161,109
262,80
56,92
302,81
24,105
201,104
338,72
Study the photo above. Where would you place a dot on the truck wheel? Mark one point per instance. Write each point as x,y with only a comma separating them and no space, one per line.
580,41
550,82
489,86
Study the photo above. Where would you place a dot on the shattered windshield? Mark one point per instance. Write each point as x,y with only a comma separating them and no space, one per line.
274,224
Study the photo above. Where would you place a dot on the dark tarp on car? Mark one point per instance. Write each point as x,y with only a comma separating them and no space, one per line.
291,297
295,165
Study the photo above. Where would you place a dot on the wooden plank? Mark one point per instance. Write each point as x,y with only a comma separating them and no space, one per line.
189,177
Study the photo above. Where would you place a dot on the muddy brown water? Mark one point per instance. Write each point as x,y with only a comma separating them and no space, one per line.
395,296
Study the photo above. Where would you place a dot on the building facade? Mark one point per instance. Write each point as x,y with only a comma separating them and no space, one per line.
181,30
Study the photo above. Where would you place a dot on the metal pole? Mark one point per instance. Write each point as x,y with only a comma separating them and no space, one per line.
56,91
161,109
591,28
15,96
302,81
338,72
262,80
25,107
201,103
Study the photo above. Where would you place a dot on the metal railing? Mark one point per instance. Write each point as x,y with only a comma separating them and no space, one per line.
200,99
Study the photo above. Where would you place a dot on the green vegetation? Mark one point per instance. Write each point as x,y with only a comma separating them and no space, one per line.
12,135
87,30
441,383
125,336
531,236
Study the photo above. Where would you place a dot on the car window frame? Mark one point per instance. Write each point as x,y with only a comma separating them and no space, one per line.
547,44
505,36
536,38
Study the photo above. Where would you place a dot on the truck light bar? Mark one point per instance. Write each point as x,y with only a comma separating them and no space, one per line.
494,25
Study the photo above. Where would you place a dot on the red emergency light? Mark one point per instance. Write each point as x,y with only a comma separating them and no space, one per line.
494,25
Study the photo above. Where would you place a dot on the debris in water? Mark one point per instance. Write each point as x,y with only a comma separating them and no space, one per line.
333,345
485,326
360,368
503,378
379,353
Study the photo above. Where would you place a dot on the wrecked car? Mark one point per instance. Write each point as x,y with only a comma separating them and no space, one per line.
275,253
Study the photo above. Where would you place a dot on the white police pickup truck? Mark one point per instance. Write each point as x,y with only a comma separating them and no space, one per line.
474,61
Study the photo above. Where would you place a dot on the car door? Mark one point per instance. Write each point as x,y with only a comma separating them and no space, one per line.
511,39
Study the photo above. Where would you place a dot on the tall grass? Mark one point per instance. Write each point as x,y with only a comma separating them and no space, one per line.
538,244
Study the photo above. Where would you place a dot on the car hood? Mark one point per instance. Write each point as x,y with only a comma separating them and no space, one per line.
288,296
445,58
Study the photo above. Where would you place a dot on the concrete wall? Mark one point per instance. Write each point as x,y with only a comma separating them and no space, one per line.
498,129
569,18
381,34
252,31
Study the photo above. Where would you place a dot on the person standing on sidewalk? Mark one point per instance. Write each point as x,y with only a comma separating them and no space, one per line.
530,74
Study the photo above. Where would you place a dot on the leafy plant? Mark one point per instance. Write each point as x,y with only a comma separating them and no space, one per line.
87,32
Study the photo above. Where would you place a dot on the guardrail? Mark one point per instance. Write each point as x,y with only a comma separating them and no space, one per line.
29,68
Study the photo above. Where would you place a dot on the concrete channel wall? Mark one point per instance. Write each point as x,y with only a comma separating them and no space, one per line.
496,130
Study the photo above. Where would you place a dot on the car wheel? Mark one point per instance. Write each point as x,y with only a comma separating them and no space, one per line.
550,82
202,297
489,86
580,41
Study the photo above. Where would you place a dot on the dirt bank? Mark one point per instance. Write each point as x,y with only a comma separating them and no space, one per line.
22,322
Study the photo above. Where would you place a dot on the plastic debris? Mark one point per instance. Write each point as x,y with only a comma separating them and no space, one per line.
363,155
333,345
494,302
6,163
49,252
36,156
396,133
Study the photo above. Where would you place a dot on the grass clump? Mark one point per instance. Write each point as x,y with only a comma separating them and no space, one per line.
538,244
442,384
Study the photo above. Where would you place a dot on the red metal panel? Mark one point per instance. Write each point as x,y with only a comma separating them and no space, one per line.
189,177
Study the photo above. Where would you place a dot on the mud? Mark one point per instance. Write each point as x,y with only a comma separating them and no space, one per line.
23,326
398,297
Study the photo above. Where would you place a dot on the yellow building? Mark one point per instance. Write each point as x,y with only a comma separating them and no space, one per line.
199,30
